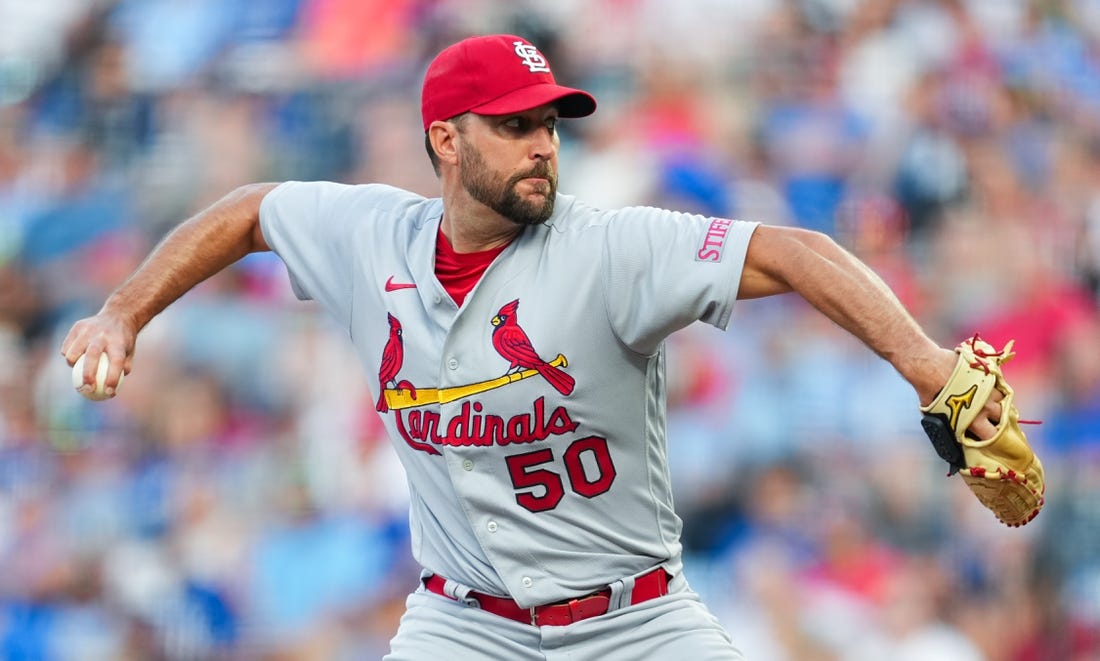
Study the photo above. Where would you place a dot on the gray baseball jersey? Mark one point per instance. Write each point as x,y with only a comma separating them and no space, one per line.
530,420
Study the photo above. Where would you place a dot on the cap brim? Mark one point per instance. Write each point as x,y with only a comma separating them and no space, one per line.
570,102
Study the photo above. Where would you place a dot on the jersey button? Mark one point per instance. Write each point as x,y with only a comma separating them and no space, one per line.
527,582
438,299
452,363
492,526
467,465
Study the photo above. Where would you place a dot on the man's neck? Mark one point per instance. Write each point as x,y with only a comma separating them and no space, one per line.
472,227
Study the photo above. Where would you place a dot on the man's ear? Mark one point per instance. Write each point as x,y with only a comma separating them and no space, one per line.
443,136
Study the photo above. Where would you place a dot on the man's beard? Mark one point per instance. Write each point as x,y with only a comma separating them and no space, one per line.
482,184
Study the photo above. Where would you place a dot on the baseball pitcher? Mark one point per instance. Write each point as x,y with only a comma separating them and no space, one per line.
516,334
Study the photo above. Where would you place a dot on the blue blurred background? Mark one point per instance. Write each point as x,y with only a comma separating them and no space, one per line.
238,499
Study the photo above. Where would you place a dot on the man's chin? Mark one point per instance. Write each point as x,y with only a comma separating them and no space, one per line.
532,214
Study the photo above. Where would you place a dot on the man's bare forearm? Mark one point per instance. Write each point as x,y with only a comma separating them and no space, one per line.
852,295
201,246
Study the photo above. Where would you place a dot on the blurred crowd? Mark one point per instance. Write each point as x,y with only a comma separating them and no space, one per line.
238,500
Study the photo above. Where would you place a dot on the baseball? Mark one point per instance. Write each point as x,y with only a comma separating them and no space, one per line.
98,393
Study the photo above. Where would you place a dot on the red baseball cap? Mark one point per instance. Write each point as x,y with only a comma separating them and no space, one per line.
495,75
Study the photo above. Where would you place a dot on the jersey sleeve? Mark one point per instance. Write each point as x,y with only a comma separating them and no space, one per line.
665,270
306,225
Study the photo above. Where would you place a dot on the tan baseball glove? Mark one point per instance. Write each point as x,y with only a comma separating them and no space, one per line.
1002,471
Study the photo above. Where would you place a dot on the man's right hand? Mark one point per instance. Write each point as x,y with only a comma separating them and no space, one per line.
106,333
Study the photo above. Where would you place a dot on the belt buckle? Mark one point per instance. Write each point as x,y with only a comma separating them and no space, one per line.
573,610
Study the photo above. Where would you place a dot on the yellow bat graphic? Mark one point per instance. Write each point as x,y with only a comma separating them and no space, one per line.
401,398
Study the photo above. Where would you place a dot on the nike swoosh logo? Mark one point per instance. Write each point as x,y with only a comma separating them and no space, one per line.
394,286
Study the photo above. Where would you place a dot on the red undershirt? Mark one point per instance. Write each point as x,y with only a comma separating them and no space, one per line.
459,272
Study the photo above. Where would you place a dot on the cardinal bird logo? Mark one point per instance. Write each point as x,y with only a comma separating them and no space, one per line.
514,346
393,355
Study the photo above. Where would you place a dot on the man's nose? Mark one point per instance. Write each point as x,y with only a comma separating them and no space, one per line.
543,145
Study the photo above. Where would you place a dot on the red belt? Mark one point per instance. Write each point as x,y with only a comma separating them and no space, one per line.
646,587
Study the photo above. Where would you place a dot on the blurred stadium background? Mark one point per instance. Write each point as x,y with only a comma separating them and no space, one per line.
238,500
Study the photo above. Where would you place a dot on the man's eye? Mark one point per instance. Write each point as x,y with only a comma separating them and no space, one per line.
516,123
552,124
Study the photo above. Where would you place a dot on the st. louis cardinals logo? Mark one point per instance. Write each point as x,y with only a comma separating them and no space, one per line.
471,425
532,58
393,355
513,345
